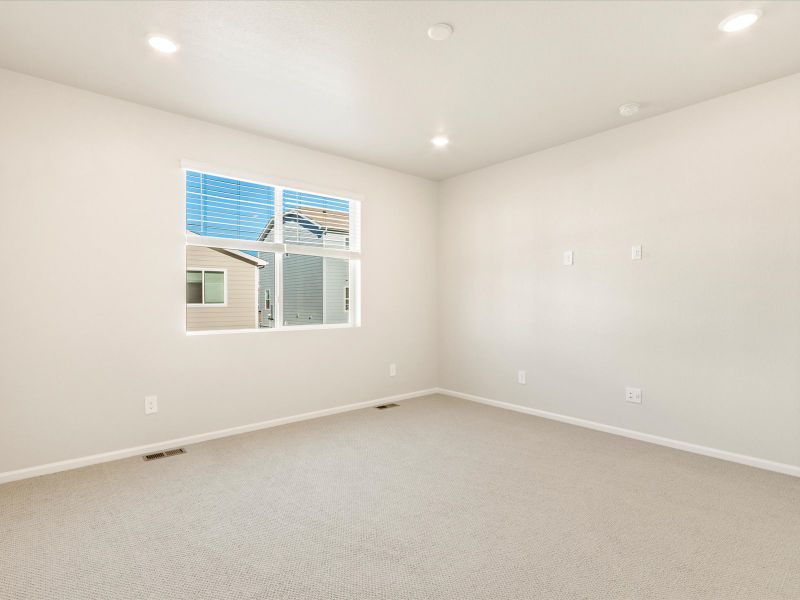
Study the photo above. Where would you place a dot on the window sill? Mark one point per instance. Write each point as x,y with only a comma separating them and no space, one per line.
273,329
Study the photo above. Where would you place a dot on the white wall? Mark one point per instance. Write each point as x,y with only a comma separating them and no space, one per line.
92,303
708,324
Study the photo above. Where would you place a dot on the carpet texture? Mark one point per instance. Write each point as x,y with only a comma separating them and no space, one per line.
436,498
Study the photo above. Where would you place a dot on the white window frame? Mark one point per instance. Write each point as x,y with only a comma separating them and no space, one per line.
203,271
353,255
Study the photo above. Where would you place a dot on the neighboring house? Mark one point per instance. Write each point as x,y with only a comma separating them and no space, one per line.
229,289
221,288
316,290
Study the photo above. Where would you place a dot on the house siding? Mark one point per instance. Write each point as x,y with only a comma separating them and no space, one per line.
266,282
313,287
302,291
240,311
336,276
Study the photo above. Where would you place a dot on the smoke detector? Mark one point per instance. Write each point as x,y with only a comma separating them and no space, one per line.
629,109
440,31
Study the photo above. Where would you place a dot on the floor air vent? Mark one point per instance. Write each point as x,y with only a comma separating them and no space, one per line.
382,406
164,454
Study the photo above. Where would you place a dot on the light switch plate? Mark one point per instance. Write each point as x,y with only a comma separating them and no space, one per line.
636,253
633,395
150,405
569,258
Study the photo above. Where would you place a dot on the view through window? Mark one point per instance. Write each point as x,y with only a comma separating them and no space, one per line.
262,256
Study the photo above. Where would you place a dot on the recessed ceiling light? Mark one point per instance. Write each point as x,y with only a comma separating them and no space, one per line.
162,44
440,141
440,31
740,20
629,109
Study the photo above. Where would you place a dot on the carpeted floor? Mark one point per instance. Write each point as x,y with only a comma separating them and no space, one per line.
437,498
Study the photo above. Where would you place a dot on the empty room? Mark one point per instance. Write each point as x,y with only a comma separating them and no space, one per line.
383,300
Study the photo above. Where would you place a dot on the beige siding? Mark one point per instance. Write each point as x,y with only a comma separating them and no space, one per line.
240,311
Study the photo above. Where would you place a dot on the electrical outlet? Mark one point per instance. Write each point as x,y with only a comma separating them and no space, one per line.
392,370
150,405
636,253
522,377
633,395
569,258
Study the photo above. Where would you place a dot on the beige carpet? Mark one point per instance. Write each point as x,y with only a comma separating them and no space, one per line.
437,498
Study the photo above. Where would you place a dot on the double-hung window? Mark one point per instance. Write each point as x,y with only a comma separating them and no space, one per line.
262,256
205,287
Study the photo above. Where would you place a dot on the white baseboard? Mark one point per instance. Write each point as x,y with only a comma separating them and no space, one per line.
75,463
743,459
94,459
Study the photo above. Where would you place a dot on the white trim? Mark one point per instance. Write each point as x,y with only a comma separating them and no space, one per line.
231,251
277,314
255,293
93,459
277,227
75,463
354,279
743,459
354,241
314,327
231,244
324,288
323,252
253,260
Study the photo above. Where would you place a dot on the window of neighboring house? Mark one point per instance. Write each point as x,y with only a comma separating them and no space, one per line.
286,255
194,287
205,287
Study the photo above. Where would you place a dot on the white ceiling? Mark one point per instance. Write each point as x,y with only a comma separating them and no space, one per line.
361,79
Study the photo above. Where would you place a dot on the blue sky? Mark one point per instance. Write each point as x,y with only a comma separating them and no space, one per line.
222,207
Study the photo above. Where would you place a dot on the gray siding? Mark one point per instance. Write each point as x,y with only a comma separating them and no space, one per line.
313,291
266,283
336,276
302,289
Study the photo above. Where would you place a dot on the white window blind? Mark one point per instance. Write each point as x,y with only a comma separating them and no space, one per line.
290,255
314,220
227,208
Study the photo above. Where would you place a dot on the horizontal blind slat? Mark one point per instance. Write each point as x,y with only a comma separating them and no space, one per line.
221,207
